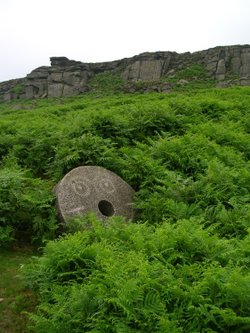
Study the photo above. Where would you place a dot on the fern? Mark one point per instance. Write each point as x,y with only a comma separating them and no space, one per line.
183,265
179,277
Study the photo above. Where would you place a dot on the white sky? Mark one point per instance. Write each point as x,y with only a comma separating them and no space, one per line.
31,31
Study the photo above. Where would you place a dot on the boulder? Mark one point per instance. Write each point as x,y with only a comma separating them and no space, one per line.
59,61
94,189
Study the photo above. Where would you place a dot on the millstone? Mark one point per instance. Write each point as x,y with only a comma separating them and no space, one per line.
94,189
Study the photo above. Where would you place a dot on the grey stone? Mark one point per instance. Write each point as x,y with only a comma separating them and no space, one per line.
235,64
39,89
221,70
6,88
132,72
223,84
55,90
73,77
59,61
77,79
94,189
39,73
145,70
68,77
211,67
245,81
8,96
182,82
171,73
56,76
29,92
245,63
69,90
165,88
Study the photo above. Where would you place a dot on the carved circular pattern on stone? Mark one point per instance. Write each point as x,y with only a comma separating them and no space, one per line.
106,185
80,186
94,189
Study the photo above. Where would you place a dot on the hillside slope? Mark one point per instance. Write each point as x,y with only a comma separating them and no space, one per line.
183,264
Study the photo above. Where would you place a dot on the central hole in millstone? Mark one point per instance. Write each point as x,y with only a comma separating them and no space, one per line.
106,208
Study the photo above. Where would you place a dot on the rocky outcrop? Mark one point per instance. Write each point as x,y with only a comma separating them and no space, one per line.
226,64
13,89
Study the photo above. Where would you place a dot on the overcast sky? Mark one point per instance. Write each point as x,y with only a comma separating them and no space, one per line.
31,31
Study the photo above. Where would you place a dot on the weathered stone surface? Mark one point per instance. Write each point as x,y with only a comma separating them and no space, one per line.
56,76
68,77
245,81
69,90
7,87
245,63
8,96
94,189
235,65
55,89
62,62
221,70
145,70
182,82
39,73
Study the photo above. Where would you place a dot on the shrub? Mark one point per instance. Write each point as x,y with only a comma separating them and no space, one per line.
87,149
6,236
26,209
183,266
139,278
18,89
105,83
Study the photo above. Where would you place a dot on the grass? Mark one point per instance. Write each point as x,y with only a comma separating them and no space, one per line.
15,299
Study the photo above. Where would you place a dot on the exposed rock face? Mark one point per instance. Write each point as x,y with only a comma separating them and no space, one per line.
144,70
8,89
68,77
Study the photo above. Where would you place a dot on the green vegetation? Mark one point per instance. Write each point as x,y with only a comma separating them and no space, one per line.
15,300
18,89
106,83
192,77
183,264
195,71
26,207
142,278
